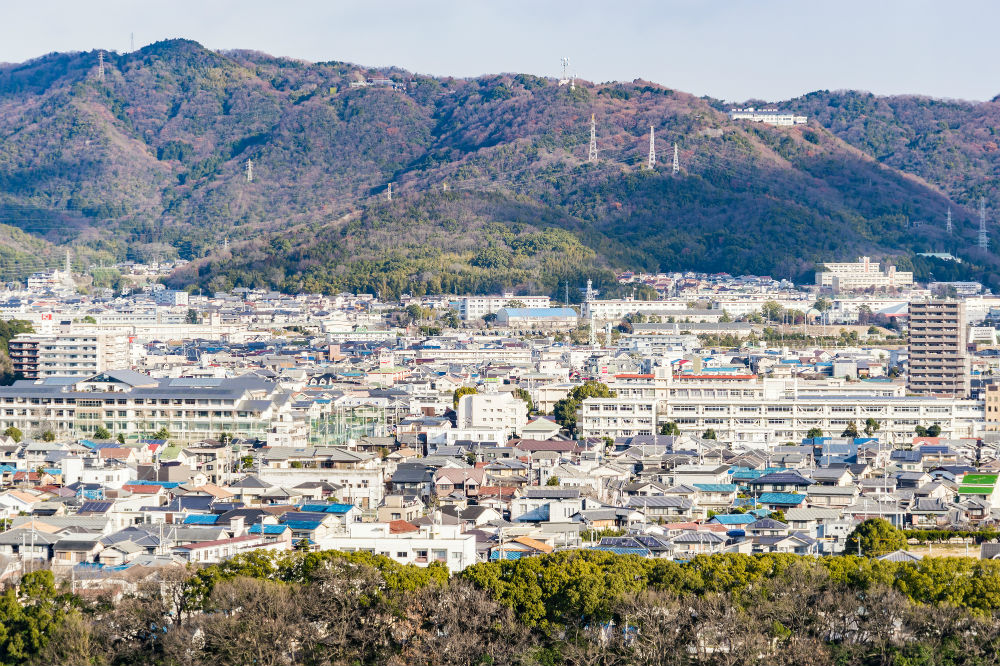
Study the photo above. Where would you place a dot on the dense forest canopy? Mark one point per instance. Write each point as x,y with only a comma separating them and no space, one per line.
150,162
572,607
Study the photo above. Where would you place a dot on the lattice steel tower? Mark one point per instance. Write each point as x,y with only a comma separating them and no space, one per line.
593,140
677,161
651,162
984,237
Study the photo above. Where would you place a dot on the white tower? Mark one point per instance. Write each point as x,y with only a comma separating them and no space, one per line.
565,72
249,170
593,140
984,238
651,162
947,224
100,65
677,161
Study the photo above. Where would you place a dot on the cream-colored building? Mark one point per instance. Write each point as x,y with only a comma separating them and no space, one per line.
864,274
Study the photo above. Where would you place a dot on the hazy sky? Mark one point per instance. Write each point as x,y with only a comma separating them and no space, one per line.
731,49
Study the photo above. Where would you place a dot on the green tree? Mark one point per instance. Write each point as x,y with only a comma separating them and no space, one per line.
670,428
566,409
451,320
162,433
29,614
102,433
89,320
850,431
48,436
771,311
814,432
553,481
525,395
709,434
14,433
192,316
875,537
871,426
934,430
460,391
414,312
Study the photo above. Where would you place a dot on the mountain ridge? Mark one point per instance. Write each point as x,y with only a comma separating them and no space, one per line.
150,162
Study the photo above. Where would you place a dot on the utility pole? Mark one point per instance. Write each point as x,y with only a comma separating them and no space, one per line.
249,166
651,161
592,157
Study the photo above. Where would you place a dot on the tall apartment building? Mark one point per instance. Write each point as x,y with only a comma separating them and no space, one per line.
67,355
939,362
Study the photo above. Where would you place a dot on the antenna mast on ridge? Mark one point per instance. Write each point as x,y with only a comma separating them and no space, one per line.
984,238
651,162
100,65
249,170
592,157
677,161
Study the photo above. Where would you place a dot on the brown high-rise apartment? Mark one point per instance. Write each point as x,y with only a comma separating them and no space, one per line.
939,362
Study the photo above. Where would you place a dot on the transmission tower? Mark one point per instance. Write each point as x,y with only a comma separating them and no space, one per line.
249,171
651,162
388,192
69,265
100,65
565,72
984,238
132,42
677,161
593,140
947,223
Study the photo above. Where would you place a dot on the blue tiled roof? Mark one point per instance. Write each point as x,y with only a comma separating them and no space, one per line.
716,487
733,519
789,499
201,519
268,529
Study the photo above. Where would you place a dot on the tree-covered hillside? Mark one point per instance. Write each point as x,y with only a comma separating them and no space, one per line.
150,161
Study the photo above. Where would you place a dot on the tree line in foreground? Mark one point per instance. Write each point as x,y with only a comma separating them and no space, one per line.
572,607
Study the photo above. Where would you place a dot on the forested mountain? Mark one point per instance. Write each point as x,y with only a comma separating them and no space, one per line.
491,183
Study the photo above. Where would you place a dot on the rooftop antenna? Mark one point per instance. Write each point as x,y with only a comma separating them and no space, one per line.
100,65
677,161
651,162
984,238
592,157
249,170
947,224
388,192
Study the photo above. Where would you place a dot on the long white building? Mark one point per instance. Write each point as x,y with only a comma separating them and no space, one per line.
760,413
